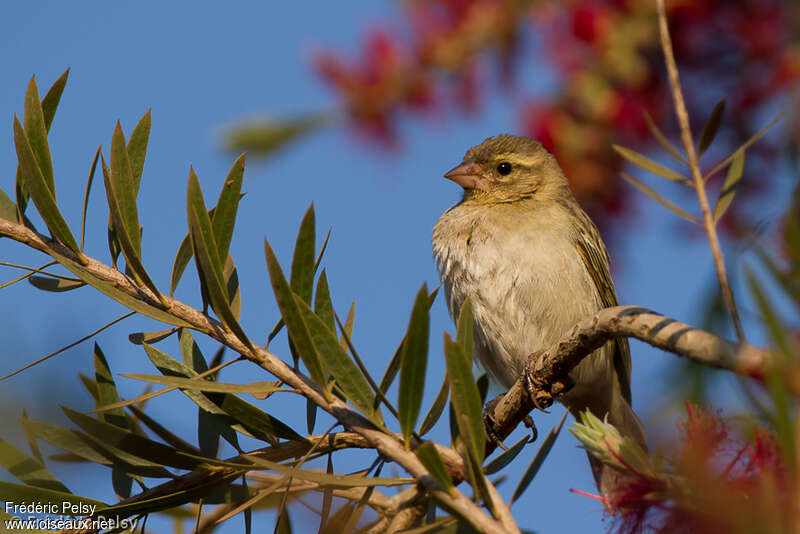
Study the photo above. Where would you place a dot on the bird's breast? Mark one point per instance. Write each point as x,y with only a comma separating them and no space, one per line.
524,276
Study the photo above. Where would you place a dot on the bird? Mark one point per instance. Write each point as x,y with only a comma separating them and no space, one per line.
533,265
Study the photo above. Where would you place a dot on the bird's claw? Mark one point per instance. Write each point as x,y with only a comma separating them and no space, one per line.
532,426
489,422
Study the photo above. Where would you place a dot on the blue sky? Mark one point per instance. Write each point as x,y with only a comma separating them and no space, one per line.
202,67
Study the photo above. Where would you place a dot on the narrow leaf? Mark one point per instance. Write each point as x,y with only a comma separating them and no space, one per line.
711,128
89,181
323,306
730,185
336,360
302,277
52,98
40,191
182,258
414,365
662,139
465,398
658,198
122,210
123,190
55,285
8,210
209,264
538,460
747,144
260,388
646,163
464,335
137,150
138,338
506,457
436,409
107,390
224,217
28,470
430,458
298,330
36,133
131,443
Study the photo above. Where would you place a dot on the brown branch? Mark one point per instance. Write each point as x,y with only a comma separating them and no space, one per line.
699,184
552,365
386,444
549,377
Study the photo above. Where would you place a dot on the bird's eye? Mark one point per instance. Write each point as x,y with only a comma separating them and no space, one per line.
504,168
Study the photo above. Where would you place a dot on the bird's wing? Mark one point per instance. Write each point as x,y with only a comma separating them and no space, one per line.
595,258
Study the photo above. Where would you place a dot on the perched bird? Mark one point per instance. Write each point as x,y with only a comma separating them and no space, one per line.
533,264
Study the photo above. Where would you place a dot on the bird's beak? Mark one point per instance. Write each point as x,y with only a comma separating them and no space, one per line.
467,175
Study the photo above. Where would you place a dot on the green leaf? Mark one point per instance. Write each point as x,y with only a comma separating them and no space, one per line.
260,388
36,133
52,98
29,470
137,150
265,136
394,364
89,182
124,440
249,419
506,457
209,264
40,191
538,460
649,165
298,329
658,198
55,285
722,164
414,365
336,360
182,258
323,306
711,128
436,409
107,391
662,139
464,335
732,180
138,338
231,276
430,458
17,493
123,189
122,210
8,210
349,324
224,217
465,398
336,480
302,277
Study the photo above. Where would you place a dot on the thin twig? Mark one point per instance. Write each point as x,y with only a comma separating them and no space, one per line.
699,183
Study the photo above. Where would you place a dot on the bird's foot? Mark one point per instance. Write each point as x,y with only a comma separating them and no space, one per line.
539,395
489,422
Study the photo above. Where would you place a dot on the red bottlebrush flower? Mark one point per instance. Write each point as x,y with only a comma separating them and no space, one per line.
589,21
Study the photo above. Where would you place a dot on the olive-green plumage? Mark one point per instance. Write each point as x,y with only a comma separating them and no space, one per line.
533,264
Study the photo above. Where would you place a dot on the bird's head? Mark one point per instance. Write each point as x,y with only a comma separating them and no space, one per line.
508,168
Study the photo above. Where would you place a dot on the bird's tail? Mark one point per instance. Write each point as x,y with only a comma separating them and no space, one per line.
621,415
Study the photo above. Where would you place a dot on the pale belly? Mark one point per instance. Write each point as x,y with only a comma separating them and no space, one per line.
528,287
